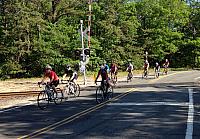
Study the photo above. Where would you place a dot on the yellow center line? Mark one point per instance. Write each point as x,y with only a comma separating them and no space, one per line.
164,76
87,111
73,117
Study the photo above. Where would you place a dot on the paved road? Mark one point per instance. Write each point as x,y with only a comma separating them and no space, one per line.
165,108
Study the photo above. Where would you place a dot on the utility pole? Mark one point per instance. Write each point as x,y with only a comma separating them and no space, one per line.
146,55
85,59
89,21
83,54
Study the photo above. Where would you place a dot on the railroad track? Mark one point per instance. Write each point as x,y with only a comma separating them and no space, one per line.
11,94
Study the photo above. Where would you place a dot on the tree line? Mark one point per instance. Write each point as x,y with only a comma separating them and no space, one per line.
34,33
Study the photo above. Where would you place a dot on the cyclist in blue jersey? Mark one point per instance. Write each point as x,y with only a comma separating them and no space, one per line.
107,68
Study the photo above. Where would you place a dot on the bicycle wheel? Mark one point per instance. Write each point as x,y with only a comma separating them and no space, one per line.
128,77
115,79
58,97
166,72
146,74
99,95
156,74
76,90
66,93
43,100
110,93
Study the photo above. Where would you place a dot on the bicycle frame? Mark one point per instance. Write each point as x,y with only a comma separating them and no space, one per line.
103,85
103,93
48,89
165,70
70,89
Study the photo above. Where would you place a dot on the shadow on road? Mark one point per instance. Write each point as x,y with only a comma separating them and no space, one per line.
143,121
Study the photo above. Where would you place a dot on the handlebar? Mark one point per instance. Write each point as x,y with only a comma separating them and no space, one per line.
40,83
99,81
63,81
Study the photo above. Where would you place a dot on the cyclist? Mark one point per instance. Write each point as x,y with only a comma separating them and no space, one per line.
104,76
157,69
113,70
73,75
54,80
106,67
146,67
166,65
130,69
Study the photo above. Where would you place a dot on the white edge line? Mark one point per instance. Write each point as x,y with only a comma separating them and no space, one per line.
189,130
197,78
17,106
149,104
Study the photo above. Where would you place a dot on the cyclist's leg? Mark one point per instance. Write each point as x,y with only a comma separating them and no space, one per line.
102,85
116,76
145,72
108,84
165,70
131,73
111,72
54,84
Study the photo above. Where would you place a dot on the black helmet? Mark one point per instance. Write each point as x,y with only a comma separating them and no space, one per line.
68,67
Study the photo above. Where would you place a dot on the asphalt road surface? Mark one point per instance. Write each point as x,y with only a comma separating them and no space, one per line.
164,108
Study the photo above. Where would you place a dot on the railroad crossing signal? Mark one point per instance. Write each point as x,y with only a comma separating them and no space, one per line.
79,55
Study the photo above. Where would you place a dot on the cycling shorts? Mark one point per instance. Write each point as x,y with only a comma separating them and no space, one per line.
55,83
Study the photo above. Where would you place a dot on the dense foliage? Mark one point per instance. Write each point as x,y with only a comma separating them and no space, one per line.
36,32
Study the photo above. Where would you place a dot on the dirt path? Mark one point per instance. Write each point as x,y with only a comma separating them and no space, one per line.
22,85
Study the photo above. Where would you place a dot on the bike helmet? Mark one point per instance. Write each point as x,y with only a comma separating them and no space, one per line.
48,67
102,67
68,67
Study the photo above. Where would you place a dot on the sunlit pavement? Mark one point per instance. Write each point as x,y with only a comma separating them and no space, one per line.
165,108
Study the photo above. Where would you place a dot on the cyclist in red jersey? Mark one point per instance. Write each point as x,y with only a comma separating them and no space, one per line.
146,65
54,80
104,77
166,64
103,73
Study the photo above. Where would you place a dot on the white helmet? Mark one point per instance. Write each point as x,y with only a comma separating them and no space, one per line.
102,67
48,67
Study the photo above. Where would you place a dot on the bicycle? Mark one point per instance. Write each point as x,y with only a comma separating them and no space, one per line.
157,73
70,89
165,71
145,74
114,77
48,95
103,93
129,77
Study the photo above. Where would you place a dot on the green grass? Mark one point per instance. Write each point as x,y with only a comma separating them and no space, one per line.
179,69
92,75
